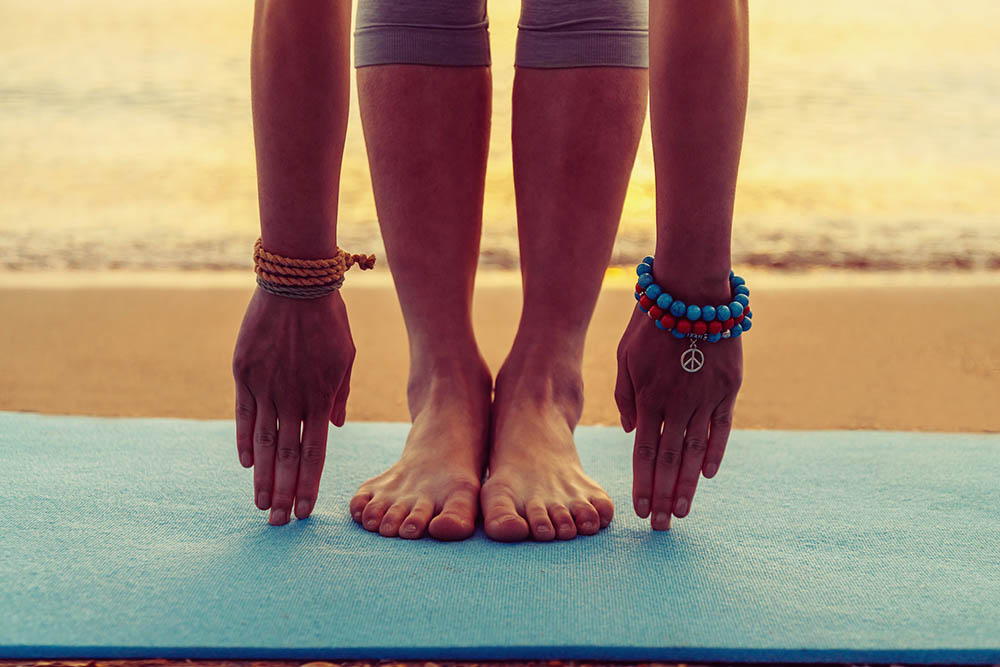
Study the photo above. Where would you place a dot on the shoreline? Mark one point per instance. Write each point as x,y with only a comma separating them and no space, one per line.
851,356
379,278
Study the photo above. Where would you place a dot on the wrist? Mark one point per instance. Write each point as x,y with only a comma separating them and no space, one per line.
701,285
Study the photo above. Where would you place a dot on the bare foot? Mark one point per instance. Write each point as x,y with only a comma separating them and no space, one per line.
434,487
536,485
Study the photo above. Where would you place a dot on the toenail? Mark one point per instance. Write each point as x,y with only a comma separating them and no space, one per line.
566,528
587,525
371,523
409,528
541,529
357,516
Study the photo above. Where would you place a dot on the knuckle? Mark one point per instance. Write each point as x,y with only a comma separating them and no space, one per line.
265,438
245,410
286,453
724,419
313,452
668,458
696,445
645,452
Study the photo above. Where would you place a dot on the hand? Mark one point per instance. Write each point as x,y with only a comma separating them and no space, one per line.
694,410
292,367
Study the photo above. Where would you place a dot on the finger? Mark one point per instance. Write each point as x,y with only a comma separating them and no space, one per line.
311,457
338,414
695,444
246,414
625,396
286,466
647,435
265,439
668,462
718,436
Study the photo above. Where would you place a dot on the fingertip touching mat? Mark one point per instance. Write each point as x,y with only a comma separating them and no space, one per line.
137,538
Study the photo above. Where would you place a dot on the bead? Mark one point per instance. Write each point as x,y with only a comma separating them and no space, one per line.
642,269
664,301
746,324
639,288
735,331
714,327
736,281
722,313
648,259
749,313
654,291
684,326
693,312
742,289
656,312
646,280
714,337
731,274
699,327
637,295
742,299
668,321
736,308
739,319
728,324
645,302
678,308
708,313
660,326
677,334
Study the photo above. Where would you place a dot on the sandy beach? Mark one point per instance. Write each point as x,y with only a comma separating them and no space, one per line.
855,355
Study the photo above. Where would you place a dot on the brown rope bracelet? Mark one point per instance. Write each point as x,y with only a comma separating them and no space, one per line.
304,278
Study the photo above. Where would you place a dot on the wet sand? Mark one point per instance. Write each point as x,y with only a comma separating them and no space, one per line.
852,356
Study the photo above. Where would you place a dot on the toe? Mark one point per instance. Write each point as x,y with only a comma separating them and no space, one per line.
502,521
563,522
358,503
538,520
588,521
457,519
393,518
372,515
605,508
416,523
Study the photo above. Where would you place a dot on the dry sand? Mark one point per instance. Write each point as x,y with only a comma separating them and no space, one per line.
854,356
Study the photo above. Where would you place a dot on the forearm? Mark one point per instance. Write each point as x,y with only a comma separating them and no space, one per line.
300,92
698,89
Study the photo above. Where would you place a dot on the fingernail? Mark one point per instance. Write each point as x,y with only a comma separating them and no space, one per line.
264,500
279,517
682,507
642,507
303,507
245,459
711,469
661,521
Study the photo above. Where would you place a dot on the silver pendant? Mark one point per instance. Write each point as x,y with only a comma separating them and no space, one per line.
692,359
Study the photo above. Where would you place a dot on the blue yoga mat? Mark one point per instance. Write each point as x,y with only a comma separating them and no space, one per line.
137,538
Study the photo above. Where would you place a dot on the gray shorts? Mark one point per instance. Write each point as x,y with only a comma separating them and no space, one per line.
550,33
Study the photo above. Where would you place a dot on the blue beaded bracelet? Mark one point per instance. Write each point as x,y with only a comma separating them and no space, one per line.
711,323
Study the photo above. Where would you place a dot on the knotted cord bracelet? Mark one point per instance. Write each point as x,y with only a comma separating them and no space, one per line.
304,278
711,323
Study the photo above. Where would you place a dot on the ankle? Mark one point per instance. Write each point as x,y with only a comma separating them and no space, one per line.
542,379
458,379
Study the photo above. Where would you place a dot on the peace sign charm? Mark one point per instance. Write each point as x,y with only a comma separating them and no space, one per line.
692,359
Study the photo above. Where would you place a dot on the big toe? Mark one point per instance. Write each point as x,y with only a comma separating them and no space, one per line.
457,519
502,521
